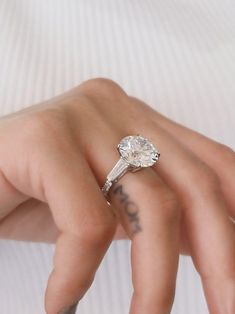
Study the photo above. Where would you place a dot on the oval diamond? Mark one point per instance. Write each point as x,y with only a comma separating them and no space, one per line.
138,151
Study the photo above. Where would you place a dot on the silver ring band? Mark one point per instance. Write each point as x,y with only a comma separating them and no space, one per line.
116,173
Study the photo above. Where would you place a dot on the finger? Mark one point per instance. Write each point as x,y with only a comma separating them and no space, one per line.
10,197
219,157
87,226
148,211
30,221
210,231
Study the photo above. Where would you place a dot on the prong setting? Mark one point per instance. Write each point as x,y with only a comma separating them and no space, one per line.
136,152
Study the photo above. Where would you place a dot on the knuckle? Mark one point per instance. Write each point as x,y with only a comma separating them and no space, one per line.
45,122
225,153
204,180
165,198
210,180
47,129
170,205
103,87
95,235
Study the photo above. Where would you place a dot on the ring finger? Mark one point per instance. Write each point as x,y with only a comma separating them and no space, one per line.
148,211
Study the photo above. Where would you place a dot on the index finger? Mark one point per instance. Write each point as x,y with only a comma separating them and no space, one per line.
87,227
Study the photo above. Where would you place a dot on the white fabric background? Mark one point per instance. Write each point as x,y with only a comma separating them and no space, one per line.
178,56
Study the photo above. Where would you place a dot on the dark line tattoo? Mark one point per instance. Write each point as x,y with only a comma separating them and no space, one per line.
130,208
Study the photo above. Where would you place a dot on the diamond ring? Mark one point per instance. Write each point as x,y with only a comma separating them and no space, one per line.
136,153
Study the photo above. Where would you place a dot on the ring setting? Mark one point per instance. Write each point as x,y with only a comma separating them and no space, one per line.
136,152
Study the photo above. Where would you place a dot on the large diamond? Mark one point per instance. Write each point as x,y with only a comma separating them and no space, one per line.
138,151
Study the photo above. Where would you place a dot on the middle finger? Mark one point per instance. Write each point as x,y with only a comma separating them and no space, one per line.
209,229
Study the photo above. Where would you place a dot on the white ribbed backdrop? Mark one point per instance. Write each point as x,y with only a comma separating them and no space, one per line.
177,55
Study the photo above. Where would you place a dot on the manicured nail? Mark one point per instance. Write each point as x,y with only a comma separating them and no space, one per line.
69,310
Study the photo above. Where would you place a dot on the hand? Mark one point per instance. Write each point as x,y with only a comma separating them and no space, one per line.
54,159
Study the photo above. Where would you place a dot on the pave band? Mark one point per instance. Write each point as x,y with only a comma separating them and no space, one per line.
136,153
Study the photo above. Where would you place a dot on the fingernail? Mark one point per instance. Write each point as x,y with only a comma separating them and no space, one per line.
69,310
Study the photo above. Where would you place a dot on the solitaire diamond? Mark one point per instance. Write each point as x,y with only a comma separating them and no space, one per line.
138,151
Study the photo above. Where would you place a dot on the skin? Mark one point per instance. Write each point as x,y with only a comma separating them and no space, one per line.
54,160
69,310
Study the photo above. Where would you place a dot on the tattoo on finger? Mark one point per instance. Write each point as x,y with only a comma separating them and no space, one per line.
131,209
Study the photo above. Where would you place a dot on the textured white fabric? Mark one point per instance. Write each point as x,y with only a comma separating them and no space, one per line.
178,56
